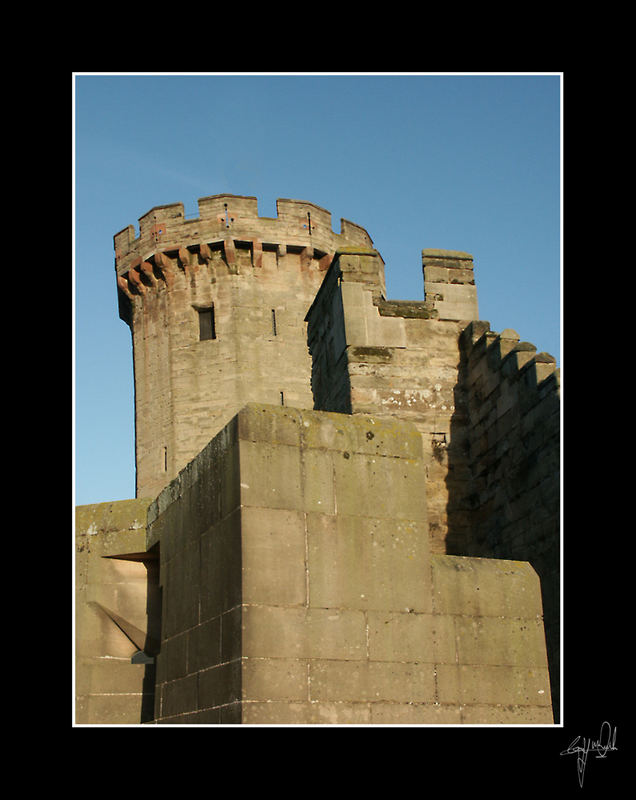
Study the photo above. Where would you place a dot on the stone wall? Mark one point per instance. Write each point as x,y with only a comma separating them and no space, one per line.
449,283
298,587
195,526
513,445
387,557
225,218
397,359
487,407
115,597
255,277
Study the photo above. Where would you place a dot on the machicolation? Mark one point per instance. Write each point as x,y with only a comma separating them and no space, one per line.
347,507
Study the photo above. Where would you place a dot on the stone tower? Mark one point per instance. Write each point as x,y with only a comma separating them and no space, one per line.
216,308
347,507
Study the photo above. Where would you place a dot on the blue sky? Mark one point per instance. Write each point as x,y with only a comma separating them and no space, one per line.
460,162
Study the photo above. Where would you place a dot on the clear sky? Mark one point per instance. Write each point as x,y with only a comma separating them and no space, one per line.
459,162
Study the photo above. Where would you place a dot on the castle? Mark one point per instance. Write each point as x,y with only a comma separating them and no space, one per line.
347,507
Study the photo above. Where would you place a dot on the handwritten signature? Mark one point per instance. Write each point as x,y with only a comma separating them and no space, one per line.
605,742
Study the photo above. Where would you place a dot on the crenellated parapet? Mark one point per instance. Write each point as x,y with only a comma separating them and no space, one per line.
377,478
512,401
495,357
215,305
228,226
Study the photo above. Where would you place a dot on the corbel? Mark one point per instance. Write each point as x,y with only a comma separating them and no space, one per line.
135,278
165,265
184,257
325,262
229,251
123,285
306,256
205,252
146,268
257,253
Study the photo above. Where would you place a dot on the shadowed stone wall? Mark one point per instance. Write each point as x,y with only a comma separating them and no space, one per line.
513,448
487,407
371,561
216,310
299,587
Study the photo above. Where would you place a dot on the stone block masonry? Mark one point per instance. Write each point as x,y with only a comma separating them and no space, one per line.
394,359
356,499
513,453
298,587
216,309
450,283
116,604
487,407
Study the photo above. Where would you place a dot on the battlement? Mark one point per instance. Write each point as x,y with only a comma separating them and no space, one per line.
449,283
505,357
361,494
232,218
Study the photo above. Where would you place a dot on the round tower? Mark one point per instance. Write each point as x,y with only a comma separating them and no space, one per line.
216,307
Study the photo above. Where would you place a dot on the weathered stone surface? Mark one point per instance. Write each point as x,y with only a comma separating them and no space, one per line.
257,276
114,585
317,598
356,513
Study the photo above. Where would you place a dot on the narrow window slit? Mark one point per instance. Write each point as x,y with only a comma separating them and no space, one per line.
206,324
